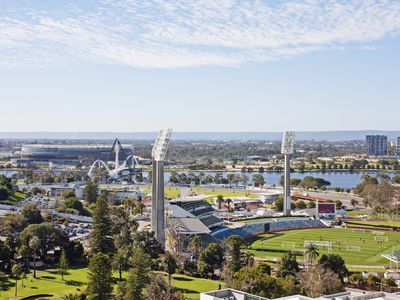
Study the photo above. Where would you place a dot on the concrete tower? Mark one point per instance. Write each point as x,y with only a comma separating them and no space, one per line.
287,150
158,154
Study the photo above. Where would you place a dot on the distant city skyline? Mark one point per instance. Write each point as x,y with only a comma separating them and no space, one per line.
199,66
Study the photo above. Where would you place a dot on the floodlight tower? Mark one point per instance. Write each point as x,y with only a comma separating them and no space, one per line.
117,147
287,150
158,154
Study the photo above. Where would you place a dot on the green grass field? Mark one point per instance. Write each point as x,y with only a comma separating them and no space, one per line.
49,282
388,223
270,246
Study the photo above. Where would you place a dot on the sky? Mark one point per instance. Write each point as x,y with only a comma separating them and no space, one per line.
226,65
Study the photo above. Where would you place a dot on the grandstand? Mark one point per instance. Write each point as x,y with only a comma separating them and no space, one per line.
198,208
257,228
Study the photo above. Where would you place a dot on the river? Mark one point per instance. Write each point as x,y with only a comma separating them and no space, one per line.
337,179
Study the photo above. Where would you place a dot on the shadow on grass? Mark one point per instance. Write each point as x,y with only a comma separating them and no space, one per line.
6,285
186,291
47,277
74,282
183,279
34,287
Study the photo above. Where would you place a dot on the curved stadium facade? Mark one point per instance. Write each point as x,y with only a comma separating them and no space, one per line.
49,152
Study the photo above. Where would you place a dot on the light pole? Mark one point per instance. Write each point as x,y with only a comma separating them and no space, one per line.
287,150
158,154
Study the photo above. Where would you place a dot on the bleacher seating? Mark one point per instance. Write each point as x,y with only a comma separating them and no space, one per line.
257,228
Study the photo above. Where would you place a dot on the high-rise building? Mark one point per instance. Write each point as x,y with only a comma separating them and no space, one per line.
376,145
398,146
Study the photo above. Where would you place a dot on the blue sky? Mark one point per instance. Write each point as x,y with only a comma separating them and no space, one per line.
196,66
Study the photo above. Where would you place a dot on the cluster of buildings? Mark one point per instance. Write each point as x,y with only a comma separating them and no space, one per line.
351,294
377,145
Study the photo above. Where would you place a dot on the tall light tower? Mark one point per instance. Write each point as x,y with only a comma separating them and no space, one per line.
158,154
287,150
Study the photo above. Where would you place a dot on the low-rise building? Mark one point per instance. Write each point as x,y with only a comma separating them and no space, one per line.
351,294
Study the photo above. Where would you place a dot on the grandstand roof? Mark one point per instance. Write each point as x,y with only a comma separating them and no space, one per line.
191,226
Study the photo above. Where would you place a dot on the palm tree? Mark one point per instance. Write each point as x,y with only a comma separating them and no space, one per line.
220,200
16,271
170,266
229,201
71,296
311,254
34,244
120,261
195,245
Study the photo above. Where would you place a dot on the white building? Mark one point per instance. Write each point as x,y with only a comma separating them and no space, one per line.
351,294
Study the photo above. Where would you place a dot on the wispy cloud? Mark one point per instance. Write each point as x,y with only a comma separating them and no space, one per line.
180,33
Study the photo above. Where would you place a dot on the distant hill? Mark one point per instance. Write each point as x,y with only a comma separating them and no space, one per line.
201,136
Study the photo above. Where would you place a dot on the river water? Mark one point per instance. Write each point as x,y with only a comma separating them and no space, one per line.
337,179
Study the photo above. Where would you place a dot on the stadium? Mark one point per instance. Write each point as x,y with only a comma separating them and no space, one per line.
360,248
48,152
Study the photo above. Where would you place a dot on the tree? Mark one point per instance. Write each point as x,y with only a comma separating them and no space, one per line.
257,281
16,271
219,201
120,261
5,255
258,180
100,277
4,192
158,289
229,202
233,252
311,204
71,296
317,281
195,245
31,214
49,237
288,265
138,276
68,194
396,179
102,240
34,244
339,204
210,259
76,204
146,241
63,267
354,202
170,266
279,204
301,204
90,191
311,254
335,263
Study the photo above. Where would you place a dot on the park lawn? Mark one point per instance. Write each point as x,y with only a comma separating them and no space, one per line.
368,252
192,287
226,193
49,282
